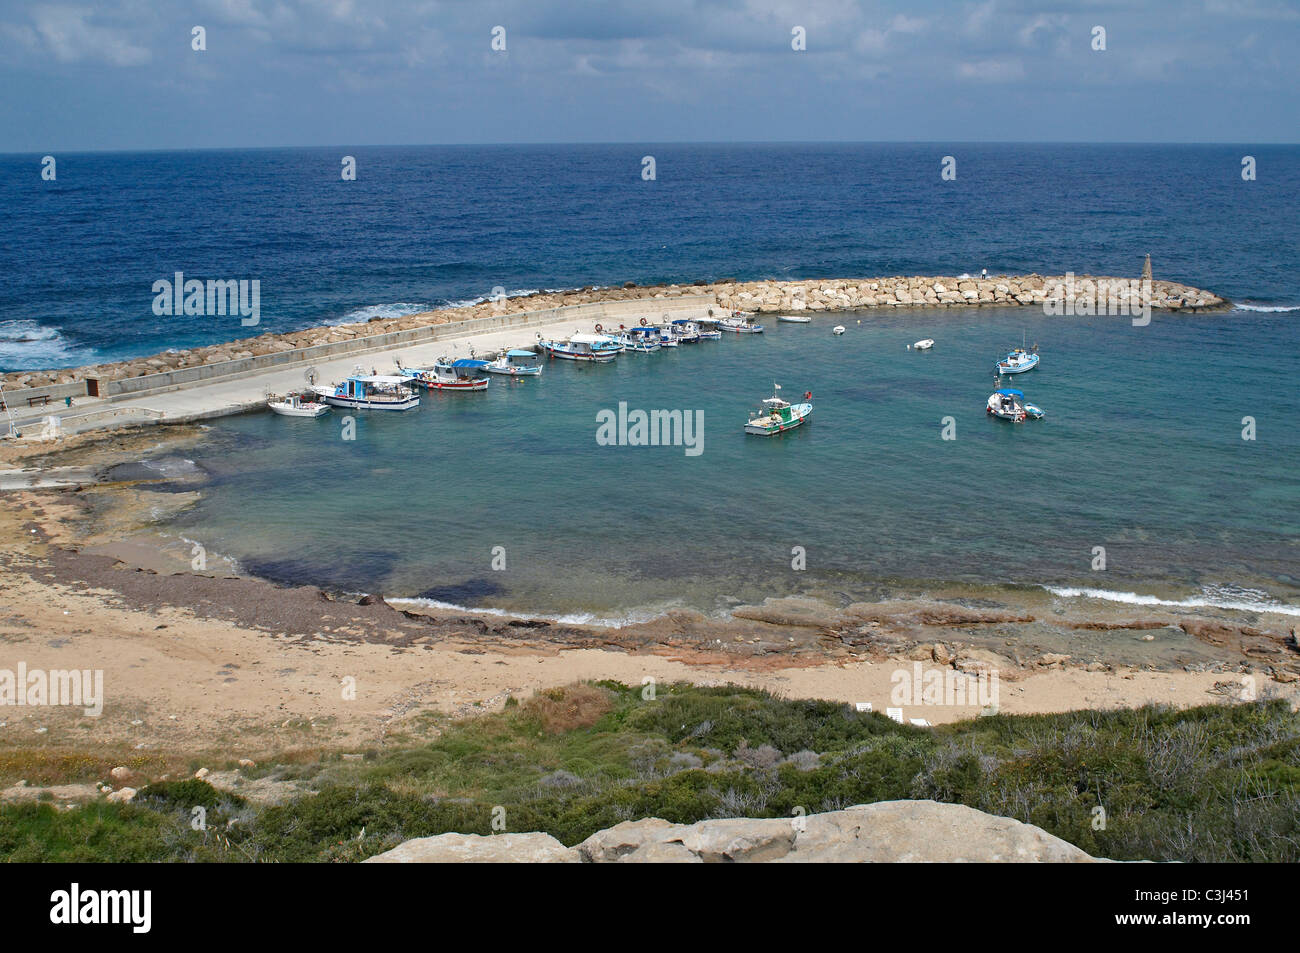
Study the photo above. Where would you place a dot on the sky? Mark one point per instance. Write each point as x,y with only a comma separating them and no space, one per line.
123,74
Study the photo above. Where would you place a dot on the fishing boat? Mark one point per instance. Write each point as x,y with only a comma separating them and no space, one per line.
777,416
794,318
1008,403
445,374
372,392
596,348
685,331
740,323
838,329
709,330
1019,360
297,405
643,340
506,364
923,345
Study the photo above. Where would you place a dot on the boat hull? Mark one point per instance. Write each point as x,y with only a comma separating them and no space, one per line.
792,319
363,403
589,356
1006,368
312,410
515,371
433,384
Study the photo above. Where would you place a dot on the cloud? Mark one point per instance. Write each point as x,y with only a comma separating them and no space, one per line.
992,71
66,33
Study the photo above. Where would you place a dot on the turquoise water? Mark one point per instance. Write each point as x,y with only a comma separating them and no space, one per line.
1141,452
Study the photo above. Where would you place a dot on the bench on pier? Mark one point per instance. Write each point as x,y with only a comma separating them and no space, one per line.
41,400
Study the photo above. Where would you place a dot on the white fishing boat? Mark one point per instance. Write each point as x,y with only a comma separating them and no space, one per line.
446,374
794,318
1007,403
923,345
709,330
777,416
740,323
508,363
373,392
297,405
687,332
595,348
644,340
838,329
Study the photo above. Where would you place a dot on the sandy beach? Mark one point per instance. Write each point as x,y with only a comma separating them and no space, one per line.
210,662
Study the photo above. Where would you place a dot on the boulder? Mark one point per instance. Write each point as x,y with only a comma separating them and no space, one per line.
122,796
478,849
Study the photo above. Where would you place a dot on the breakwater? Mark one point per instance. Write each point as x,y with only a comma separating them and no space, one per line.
816,295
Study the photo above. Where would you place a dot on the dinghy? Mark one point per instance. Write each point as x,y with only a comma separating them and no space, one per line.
922,345
838,329
794,319
777,416
740,323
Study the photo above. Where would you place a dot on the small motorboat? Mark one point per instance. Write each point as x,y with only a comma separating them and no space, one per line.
459,375
506,363
794,318
297,405
1007,403
838,329
777,416
373,392
596,348
922,345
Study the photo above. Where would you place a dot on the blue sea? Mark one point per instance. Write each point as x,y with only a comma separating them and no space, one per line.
1141,452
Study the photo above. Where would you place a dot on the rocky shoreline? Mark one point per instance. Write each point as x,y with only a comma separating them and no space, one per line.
815,295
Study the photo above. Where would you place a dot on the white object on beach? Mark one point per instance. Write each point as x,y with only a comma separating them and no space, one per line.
838,329
920,723
864,706
895,713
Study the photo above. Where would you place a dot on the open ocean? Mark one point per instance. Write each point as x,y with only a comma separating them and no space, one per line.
1141,450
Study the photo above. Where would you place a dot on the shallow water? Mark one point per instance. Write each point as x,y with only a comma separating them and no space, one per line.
1141,452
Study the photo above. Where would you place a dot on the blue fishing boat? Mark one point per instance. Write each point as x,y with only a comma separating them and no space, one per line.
596,348
509,363
1019,360
458,375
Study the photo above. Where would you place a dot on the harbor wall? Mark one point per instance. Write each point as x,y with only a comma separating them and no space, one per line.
613,306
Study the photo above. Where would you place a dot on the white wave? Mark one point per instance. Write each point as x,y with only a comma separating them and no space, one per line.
1212,597
30,345
1266,308
396,309
632,617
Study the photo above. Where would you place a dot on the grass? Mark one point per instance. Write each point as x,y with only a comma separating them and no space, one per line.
1217,783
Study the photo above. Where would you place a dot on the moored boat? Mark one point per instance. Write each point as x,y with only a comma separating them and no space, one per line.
297,405
922,345
740,322
1007,403
838,329
685,331
507,363
708,329
776,416
596,348
1019,360
643,340
372,392
459,375
794,318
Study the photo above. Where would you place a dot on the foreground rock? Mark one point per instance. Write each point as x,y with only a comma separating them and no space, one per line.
886,832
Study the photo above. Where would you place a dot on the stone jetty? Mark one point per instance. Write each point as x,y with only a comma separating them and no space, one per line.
814,295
